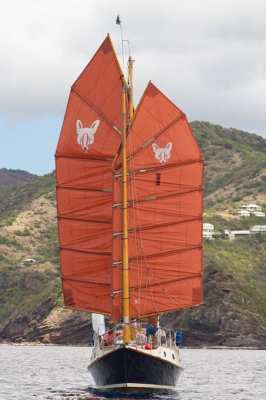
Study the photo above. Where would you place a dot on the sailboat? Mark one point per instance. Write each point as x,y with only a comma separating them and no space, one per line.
129,207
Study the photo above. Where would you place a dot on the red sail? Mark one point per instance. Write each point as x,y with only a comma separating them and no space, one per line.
165,212
88,142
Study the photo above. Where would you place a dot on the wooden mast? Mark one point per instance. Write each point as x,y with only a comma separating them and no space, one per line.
125,283
127,115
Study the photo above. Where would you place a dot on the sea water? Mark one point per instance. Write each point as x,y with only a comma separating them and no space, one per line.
60,373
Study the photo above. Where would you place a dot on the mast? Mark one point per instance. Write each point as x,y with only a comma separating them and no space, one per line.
125,283
127,114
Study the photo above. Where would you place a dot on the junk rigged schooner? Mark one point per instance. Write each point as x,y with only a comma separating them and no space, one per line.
129,204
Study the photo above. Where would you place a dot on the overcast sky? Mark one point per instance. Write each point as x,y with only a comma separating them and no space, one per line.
208,56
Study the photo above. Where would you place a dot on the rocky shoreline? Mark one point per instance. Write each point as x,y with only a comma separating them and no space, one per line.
67,327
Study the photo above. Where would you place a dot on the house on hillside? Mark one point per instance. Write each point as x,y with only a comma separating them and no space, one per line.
250,209
231,235
259,214
258,229
243,213
208,231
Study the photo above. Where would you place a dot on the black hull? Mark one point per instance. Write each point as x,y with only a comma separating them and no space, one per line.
125,365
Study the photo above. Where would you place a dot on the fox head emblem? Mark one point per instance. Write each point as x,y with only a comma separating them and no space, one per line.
85,136
162,153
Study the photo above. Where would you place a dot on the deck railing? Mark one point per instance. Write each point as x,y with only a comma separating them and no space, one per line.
141,336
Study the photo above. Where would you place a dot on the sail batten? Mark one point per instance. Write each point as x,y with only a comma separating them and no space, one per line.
98,111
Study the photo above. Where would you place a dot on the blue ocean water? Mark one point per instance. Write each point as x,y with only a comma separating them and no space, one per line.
60,373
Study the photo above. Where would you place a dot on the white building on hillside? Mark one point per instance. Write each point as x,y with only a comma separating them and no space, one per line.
232,234
243,213
251,209
258,229
208,231
259,214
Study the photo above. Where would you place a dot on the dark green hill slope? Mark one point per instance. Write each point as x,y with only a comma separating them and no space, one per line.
234,312
235,164
13,177
15,198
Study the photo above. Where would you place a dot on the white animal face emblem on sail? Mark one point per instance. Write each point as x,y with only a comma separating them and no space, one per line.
162,153
85,136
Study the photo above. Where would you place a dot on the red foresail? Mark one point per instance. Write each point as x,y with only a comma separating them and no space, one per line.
88,143
165,211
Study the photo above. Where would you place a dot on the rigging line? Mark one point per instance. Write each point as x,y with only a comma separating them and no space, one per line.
142,206
64,278
84,158
169,252
186,304
180,302
135,239
96,253
143,171
166,282
137,242
161,225
96,176
96,83
168,185
107,190
140,244
97,111
171,270
148,110
119,22
65,217
134,217
151,139
164,196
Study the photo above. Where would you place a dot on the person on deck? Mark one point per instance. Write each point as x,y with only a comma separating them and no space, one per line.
151,330
108,338
178,338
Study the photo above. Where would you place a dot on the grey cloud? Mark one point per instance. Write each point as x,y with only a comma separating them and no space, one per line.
207,56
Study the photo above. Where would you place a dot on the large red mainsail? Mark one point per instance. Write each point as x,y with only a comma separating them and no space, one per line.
165,172
165,211
88,143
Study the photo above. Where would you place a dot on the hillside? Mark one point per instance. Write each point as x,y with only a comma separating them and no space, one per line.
13,177
234,312
235,165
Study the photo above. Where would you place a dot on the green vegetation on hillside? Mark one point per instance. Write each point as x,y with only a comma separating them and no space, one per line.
234,312
48,248
235,163
16,198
